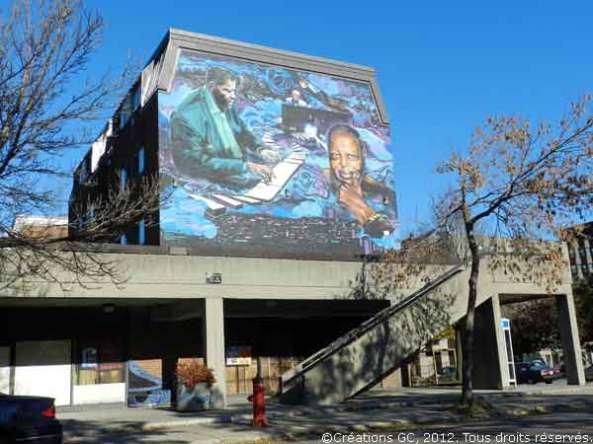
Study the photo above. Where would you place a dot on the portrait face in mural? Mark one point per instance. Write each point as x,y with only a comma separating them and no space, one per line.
269,160
345,156
223,86
346,160
224,93
296,98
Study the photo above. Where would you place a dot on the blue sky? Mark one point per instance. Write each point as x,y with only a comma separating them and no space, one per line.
442,67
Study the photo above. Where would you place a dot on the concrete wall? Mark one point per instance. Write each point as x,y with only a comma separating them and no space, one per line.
488,344
168,276
99,393
171,276
42,368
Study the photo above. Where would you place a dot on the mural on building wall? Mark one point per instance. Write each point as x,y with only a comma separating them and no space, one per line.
145,386
258,159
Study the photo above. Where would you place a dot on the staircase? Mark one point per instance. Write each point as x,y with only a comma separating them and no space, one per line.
363,356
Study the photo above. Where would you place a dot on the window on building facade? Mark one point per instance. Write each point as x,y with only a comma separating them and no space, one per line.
141,160
141,232
125,111
123,179
84,171
452,358
135,98
123,118
101,362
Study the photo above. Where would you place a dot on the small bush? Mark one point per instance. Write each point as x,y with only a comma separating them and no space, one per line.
192,372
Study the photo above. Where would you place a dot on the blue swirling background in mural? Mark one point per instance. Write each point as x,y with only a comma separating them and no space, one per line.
265,97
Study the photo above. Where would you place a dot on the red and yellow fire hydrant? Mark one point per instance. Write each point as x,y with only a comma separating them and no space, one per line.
259,402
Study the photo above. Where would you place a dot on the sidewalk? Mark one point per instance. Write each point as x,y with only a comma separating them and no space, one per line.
376,410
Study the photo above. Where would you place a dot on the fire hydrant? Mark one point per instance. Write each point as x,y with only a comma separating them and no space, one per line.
259,402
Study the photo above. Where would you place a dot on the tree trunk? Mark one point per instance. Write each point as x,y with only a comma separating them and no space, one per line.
467,332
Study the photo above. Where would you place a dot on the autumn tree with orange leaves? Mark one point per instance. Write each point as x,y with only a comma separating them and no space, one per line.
521,182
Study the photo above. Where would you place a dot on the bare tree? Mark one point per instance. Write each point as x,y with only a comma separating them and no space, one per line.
519,182
47,109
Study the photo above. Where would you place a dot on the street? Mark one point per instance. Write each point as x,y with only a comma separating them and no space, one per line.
560,427
566,427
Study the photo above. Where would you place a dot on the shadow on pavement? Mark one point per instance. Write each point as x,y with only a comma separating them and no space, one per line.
91,432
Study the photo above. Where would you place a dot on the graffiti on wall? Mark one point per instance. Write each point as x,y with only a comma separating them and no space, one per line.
258,159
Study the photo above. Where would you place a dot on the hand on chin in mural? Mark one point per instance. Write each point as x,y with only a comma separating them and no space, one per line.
264,171
350,196
374,224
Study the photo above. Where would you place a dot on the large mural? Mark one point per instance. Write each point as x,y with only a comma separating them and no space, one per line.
262,160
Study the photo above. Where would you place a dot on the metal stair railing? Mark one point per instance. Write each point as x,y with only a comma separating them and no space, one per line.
370,323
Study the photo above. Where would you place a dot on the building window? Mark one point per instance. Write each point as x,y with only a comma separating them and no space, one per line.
141,232
123,118
125,111
123,179
141,160
100,362
84,171
89,358
136,98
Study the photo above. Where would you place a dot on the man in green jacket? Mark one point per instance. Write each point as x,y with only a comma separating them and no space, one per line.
210,140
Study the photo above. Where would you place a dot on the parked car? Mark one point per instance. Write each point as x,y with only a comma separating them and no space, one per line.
28,419
535,371
560,370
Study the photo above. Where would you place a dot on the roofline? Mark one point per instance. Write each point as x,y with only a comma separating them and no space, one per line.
293,55
159,48
176,40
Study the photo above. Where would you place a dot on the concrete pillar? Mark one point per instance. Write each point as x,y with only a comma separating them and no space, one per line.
588,256
169,363
569,333
213,337
577,259
490,370
458,353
